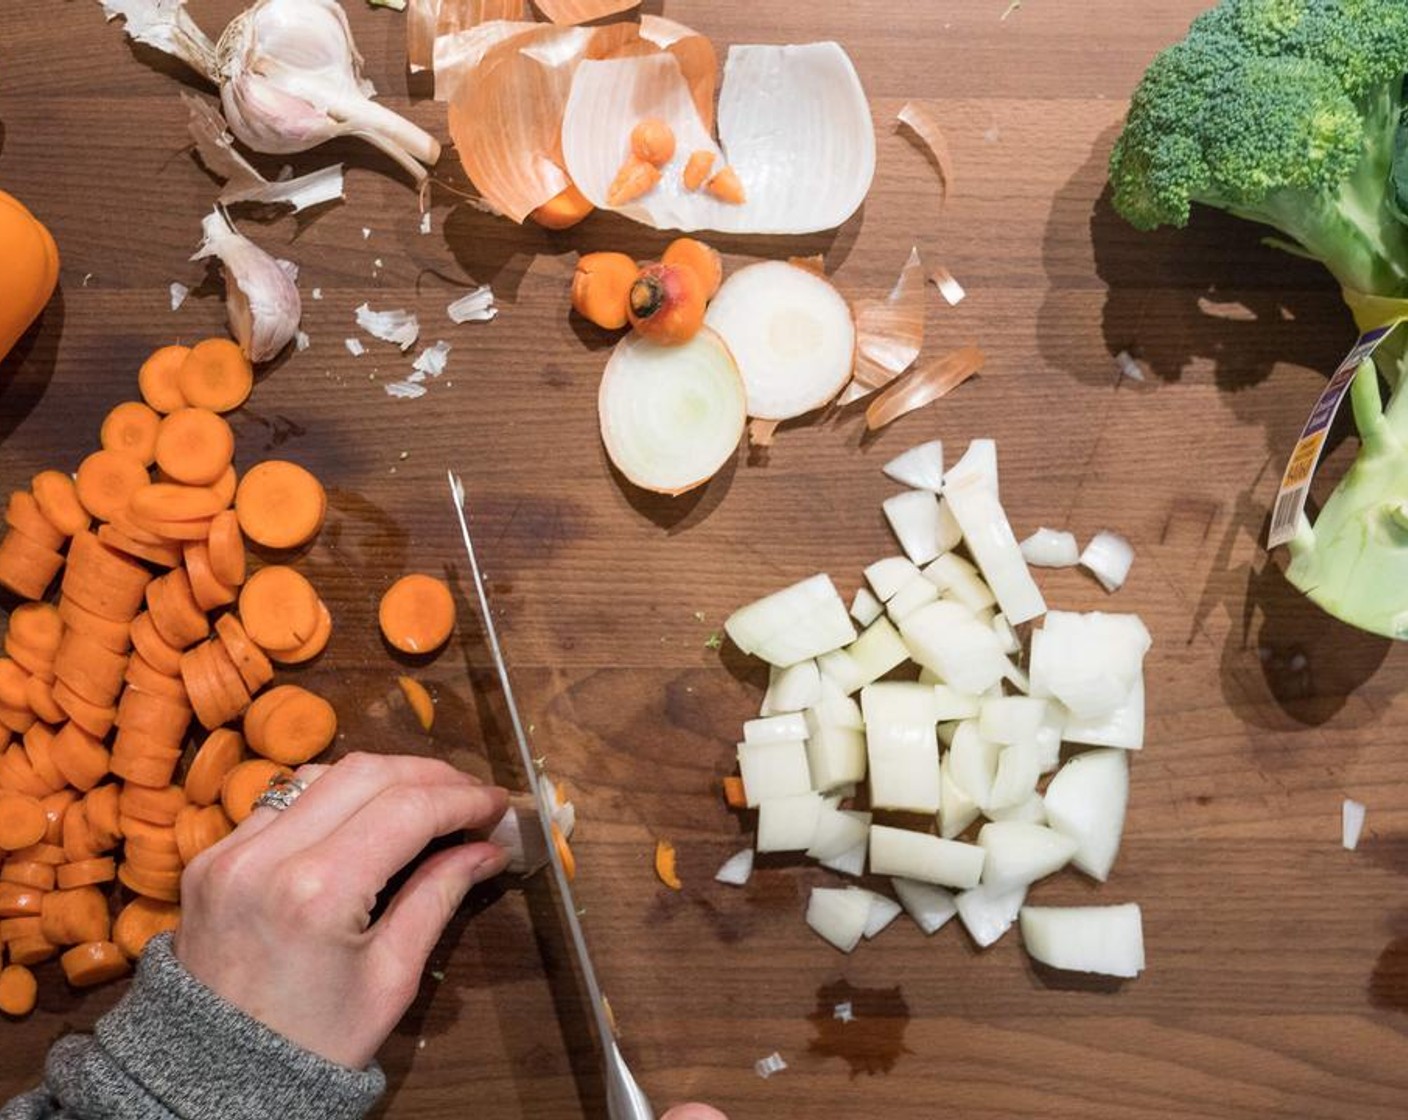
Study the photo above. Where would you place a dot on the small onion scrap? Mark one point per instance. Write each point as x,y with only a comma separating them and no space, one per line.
791,333
925,384
925,125
890,332
671,416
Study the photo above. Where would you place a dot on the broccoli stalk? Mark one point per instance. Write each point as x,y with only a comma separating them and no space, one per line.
1289,113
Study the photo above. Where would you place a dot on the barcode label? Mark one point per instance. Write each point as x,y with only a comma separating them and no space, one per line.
1300,468
1285,515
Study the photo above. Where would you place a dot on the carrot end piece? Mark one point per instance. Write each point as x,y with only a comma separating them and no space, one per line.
665,860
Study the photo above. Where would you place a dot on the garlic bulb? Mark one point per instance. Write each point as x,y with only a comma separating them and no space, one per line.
289,75
260,295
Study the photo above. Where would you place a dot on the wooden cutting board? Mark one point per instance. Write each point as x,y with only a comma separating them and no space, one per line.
1278,963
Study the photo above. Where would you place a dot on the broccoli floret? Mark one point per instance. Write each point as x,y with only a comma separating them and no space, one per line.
1290,113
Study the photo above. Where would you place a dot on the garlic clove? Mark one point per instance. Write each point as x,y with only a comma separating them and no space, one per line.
261,296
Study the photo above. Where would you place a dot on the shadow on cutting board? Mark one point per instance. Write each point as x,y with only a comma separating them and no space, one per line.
1177,300
25,372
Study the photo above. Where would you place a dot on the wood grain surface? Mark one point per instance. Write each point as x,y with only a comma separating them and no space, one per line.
1278,963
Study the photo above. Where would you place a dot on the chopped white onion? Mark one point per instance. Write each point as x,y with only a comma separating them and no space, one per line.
844,1012
914,519
839,915
919,468
788,728
1128,367
1351,823
671,416
883,911
837,832
989,537
1103,939
1051,548
770,1065
958,580
773,770
987,913
973,760
902,746
1019,853
791,333
793,689
835,754
787,824
931,907
957,809
1018,768
930,859
918,592
1123,727
473,307
946,638
1032,810
1011,719
887,576
799,622
852,861
1086,801
397,326
179,292
865,607
980,458
1108,558
1089,662
737,869
355,348
950,704
432,360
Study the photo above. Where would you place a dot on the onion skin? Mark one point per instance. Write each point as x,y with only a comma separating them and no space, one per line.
666,303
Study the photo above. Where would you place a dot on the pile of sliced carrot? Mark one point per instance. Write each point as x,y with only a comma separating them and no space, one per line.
157,624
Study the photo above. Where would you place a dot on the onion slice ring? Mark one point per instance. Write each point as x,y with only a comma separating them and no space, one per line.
926,384
671,416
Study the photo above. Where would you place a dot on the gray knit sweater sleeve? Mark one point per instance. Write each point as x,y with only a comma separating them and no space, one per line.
173,1048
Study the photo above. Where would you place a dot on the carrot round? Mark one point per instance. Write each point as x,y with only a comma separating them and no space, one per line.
58,502
162,885
92,963
141,676
209,590
22,514
419,699
144,769
115,635
74,916
210,701
17,774
79,841
174,501
103,581
100,806
194,446
18,720
52,854
90,668
95,720
297,725
140,921
153,648
215,375
17,901
80,756
200,828
157,379
316,643
225,486
280,505
86,873
155,806
249,660
150,855
37,625
26,873
174,611
163,553
27,567
226,548
18,990
221,752
14,679
38,745
243,785
36,662
417,613
163,718
106,481
56,807
279,608
131,429
15,929
22,820
564,852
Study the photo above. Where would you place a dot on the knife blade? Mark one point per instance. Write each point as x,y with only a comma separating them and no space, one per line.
624,1098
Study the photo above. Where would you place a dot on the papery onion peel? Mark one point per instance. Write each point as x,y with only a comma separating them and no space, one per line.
925,125
924,384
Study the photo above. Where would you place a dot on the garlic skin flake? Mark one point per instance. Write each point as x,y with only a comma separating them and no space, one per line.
261,297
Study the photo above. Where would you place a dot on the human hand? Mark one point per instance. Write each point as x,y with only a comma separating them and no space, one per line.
276,918
693,1112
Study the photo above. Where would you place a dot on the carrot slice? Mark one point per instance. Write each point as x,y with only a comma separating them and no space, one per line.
140,921
226,485
279,608
37,625
14,929
115,635
22,513
56,807
94,962
226,547
18,720
157,379
298,726
200,828
131,429
90,668
52,854
165,554
100,806
106,481
38,743
94,719
210,593
103,581
18,901
155,771
174,610
564,852
30,951
162,502
70,917
144,834
14,680
417,613
243,785
86,873
17,774
210,701
280,505
194,446
155,806
153,648
251,663
221,752
215,375
141,676
27,567
418,697
665,861
39,695
19,990
163,885
315,644
22,820
80,756
58,502
39,876
79,841
162,718
228,677
31,660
